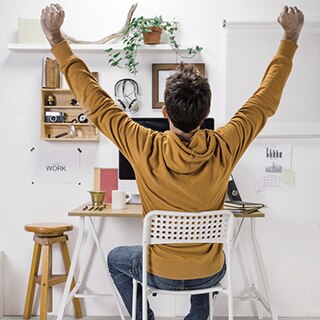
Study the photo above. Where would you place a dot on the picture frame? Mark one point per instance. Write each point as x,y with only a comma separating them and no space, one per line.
160,72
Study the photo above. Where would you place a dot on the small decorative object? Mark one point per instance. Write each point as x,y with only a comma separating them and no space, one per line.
143,28
74,102
82,118
112,36
54,117
51,100
128,98
97,197
71,133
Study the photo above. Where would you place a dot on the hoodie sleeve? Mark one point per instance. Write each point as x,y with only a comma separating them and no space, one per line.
99,107
245,125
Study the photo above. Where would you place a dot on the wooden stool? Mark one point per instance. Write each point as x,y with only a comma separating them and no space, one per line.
45,235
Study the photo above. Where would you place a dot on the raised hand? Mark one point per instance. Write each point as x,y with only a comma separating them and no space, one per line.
52,18
291,19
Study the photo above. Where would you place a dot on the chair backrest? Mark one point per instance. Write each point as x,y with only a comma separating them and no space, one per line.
164,227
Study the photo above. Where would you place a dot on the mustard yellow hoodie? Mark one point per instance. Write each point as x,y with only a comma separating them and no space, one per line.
172,174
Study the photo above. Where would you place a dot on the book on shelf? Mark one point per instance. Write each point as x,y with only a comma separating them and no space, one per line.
50,73
242,205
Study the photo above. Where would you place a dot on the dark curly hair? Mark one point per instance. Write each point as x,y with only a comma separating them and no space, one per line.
187,97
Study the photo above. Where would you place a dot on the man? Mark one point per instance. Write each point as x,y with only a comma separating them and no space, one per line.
184,169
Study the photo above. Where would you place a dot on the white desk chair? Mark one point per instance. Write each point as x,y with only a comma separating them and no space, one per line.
164,227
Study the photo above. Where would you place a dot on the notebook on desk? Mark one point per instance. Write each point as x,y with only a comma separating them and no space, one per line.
234,201
242,205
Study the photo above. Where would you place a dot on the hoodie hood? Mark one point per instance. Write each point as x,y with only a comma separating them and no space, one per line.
186,157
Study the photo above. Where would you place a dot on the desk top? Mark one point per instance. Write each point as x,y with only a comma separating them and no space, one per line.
87,210
134,210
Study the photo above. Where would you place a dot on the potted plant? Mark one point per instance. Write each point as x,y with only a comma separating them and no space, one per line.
140,29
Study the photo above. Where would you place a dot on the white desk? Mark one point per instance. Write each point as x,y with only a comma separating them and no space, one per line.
86,213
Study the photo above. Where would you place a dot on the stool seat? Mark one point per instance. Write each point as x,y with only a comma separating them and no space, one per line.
48,228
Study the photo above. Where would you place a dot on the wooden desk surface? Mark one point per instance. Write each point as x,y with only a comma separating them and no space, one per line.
131,210
134,210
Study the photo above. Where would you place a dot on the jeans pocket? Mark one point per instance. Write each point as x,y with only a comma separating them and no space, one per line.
206,282
164,283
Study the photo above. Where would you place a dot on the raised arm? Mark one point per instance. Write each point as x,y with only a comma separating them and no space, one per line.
99,107
239,132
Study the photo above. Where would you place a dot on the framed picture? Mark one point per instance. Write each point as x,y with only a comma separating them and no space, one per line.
160,72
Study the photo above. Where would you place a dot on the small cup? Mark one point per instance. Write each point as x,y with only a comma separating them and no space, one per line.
119,199
97,197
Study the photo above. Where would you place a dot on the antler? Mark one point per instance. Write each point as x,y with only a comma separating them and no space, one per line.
107,38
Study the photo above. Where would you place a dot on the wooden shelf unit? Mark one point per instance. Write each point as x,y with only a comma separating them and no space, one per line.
62,103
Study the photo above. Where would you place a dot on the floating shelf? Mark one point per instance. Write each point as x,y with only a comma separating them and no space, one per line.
40,47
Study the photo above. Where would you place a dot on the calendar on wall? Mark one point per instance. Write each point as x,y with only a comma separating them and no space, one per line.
275,172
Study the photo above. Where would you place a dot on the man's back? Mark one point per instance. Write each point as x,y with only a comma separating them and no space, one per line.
173,174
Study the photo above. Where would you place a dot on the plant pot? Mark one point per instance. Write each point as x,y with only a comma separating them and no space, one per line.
152,37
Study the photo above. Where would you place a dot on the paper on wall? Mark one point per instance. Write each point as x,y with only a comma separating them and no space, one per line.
274,172
55,166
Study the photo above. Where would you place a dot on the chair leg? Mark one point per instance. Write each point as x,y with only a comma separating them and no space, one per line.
67,262
44,282
214,300
230,307
31,283
210,306
134,299
144,302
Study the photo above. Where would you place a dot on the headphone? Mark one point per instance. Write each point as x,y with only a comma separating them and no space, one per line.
129,94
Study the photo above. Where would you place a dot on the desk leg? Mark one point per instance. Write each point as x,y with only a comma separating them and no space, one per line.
85,257
254,302
248,280
102,254
237,237
71,270
251,285
258,256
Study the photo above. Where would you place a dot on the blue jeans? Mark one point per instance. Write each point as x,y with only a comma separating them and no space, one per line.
125,263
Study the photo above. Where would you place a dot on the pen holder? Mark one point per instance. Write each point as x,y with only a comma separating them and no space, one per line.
97,197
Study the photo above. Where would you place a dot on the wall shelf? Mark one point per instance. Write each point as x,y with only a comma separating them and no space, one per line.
42,47
85,131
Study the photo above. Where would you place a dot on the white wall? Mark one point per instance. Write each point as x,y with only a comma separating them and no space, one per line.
289,236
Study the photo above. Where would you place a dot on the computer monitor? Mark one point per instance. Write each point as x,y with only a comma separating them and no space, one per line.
126,174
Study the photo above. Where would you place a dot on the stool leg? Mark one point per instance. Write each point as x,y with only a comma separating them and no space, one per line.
44,281
32,284
49,299
66,259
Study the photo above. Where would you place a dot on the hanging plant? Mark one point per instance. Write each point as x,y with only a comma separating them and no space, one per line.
140,28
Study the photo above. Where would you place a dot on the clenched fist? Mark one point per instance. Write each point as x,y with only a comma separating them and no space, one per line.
291,19
51,21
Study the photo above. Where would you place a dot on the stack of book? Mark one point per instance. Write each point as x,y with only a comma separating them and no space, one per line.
245,206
